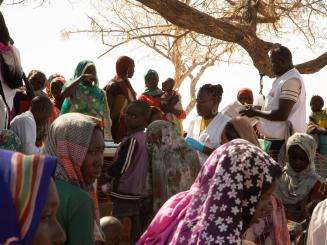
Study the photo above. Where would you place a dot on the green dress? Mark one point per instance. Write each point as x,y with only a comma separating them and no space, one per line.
75,214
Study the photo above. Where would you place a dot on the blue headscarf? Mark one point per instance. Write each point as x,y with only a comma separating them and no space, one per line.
24,185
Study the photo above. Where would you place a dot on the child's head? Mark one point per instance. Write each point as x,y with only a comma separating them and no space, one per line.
168,85
245,96
55,88
112,229
316,103
37,79
156,114
137,115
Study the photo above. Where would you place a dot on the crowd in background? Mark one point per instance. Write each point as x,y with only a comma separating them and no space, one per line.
242,174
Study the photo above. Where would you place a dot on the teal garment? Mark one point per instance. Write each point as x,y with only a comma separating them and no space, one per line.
86,99
75,214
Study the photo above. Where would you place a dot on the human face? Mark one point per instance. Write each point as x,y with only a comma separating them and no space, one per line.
135,119
91,70
262,203
297,158
206,104
152,82
55,88
92,164
49,231
316,106
278,65
131,70
246,100
168,85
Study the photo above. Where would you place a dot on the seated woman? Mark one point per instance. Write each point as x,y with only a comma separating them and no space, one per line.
29,200
226,198
208,126
83,95
174,166
77,142
152,94
300,188
272,225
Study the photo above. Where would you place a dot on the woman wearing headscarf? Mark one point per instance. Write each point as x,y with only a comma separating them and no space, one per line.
29,200
174,166
120,94
272,225
152,94
83,95
300,188
77,142
225,199
10,141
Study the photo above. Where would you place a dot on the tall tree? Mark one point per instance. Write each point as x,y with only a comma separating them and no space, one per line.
244,22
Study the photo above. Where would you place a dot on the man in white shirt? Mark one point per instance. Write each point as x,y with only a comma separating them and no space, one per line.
285,104
25,124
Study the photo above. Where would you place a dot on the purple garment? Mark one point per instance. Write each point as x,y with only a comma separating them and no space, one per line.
133,180
221,203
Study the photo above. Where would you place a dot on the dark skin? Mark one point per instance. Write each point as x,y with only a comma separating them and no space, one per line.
135,119
88,77
49,230
152,82
245,100
130,71
279,66
205,105
297,158
92,164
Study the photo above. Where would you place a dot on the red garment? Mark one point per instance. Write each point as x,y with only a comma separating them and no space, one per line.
151,101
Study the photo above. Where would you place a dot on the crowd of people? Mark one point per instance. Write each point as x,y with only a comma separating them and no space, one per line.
244,174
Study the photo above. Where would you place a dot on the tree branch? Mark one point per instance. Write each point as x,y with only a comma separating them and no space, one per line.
314,65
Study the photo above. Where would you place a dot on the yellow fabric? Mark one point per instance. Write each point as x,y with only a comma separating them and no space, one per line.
118,106
204,124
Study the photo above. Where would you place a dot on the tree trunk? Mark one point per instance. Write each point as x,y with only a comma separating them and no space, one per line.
189,18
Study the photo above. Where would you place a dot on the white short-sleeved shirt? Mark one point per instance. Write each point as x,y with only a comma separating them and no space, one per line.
289,86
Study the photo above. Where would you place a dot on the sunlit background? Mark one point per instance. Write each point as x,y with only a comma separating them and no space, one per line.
37,34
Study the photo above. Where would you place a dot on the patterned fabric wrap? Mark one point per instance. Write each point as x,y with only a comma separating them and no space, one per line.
68,139
10,141
272,227
174,165
293,186
221,203
86,99
24,184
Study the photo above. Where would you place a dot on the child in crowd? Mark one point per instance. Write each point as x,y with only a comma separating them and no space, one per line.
113,229
318,117
22,101
171,104
129,171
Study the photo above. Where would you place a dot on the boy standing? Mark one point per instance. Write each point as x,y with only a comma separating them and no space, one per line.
129,170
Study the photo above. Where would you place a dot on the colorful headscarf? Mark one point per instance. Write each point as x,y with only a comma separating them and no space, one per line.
122,65
88,100
174,165
24,184
10,141
293,186
68,139
155,92
221,203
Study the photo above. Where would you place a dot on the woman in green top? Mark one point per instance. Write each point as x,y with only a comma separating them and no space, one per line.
82,94
75,214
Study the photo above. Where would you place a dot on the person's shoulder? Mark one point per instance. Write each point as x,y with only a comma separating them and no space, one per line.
72,193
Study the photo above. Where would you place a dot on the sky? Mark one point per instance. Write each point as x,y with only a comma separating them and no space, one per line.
37,34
